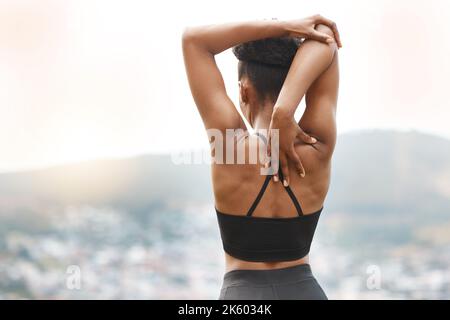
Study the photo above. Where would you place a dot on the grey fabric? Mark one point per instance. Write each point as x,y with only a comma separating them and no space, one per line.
293,283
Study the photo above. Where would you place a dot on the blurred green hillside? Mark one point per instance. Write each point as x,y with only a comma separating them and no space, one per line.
374,172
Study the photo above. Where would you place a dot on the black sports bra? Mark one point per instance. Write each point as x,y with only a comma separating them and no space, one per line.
259,239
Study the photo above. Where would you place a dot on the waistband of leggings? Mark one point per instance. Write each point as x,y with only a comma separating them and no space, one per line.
270,276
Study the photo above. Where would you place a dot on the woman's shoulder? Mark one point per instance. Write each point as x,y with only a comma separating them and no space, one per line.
242,148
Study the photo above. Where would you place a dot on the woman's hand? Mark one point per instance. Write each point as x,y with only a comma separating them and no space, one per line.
289,130
305,28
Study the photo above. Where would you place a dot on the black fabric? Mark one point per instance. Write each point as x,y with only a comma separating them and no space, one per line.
267,239
259,239
293,283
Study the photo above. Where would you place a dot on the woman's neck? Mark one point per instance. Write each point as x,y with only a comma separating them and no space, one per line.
261,119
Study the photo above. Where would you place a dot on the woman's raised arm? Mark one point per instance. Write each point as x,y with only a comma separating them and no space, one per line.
201,44
311,61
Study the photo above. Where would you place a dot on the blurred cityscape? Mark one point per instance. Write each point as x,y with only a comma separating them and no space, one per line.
174,256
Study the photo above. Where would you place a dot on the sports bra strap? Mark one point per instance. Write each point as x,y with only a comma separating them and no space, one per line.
260,195
264,187
291,195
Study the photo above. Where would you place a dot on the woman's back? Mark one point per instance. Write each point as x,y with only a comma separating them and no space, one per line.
236,187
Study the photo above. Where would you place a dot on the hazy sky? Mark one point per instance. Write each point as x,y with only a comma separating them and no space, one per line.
86,79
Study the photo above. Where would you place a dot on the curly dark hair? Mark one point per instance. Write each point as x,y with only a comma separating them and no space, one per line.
266,63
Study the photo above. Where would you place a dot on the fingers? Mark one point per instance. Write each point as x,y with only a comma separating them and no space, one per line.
318,19
320,36
275,163
284,169
337,36
273,157
306,138
297,162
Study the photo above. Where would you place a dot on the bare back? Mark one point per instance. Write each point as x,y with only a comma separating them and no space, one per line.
236,186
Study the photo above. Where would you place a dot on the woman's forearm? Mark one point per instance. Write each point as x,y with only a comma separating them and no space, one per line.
311,60
218,38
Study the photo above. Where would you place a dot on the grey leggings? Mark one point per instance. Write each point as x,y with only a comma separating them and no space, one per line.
293,283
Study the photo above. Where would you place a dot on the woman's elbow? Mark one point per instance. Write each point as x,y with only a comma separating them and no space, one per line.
328,31
324,29
188,35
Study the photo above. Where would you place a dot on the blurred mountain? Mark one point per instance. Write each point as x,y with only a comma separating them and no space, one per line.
382,172
375,173
129,183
